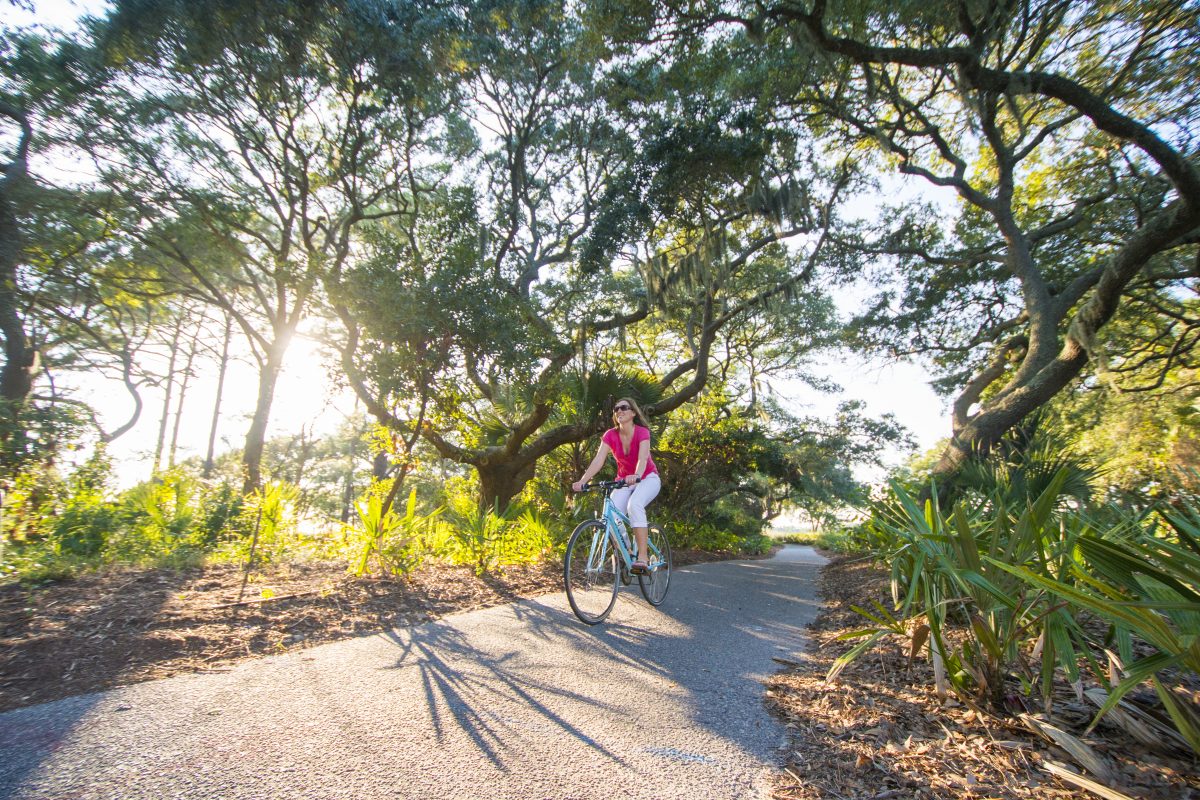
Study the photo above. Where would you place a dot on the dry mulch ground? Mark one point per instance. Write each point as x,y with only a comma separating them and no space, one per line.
118,627
880,732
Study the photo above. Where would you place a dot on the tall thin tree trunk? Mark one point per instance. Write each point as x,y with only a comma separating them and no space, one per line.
216,415
20,355
183,387
348,481
256,437
166,410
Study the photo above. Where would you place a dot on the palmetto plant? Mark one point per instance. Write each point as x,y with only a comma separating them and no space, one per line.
1145,581
163,512
946,573
588,397
392,540
479,533
1025,462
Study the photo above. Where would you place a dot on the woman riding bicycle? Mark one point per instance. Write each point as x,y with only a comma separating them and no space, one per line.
629,442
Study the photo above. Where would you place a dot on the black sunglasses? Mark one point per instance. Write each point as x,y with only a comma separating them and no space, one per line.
621,407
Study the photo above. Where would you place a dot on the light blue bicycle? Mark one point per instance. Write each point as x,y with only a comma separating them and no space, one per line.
599,559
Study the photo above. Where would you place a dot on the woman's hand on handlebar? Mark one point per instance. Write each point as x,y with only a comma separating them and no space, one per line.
630,480
577,486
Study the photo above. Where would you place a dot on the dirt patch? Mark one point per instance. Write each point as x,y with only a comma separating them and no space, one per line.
880,732
118,627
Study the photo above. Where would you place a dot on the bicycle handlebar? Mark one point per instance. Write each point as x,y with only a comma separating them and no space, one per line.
606,485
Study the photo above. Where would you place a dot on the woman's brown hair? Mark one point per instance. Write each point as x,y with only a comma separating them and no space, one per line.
638,417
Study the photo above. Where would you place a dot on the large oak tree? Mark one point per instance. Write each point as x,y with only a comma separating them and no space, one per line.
1067,130
499,319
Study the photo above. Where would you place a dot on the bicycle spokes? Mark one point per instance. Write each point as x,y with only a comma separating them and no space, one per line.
590,572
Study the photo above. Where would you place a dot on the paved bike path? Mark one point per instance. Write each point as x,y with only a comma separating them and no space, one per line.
518,702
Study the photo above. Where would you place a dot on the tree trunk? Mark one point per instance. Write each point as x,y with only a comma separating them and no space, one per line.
977,435
20,356
183,387
347,494
166,409
216,415
252,455
501,481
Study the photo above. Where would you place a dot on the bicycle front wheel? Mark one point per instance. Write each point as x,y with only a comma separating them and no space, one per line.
590,572
654,584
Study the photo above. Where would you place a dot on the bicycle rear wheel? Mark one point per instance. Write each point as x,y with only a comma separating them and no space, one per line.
590,572
654,585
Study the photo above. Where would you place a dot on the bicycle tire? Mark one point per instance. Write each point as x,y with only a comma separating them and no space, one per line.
590,577
654,585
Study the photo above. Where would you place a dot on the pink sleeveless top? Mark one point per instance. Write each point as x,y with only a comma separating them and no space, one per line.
627,460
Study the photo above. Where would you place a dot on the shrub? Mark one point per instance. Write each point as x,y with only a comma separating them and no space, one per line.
220,514
396,543
489,538
945,571
59,526
265,528
713,539
839,540
1145,581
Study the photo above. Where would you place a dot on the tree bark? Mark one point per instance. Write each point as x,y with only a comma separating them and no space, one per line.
500,482
216,415
183,387
20,356
166,408
256,436
976,435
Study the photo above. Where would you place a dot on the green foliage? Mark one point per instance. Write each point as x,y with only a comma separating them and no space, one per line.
534,536
161,517
714,539
736,467
397,543
1048,198
33,436
1011,573
835,537
587,398
1145,581
221,513
677,154
266,530
1026,461
945,571
551,500
57,526
1144,442
839,539
87,518
486,538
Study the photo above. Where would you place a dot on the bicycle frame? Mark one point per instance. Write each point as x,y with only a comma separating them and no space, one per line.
591,574
613,521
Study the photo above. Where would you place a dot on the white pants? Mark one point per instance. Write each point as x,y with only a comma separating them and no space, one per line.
632,500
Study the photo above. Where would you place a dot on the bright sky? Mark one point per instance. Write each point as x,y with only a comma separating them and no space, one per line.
304,399
53,13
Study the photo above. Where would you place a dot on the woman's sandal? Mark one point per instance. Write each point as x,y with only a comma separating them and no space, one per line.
639,568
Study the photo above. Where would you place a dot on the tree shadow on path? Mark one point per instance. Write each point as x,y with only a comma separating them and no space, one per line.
566,672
